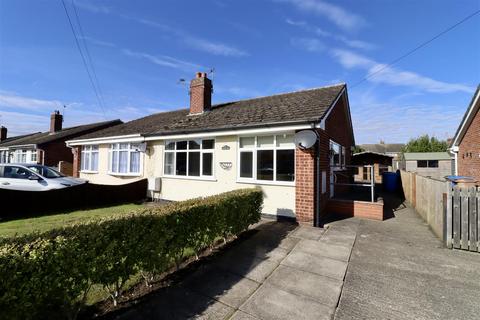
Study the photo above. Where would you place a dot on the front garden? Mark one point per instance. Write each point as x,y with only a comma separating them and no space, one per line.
55,273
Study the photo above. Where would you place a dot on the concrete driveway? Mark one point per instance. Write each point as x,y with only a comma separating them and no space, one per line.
396,270
281,272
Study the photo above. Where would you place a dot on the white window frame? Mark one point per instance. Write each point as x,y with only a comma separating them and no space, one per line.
254,150
341,157
24,152
90,151
130,150
201,151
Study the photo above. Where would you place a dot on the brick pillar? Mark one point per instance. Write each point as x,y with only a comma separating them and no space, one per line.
76,161
305,185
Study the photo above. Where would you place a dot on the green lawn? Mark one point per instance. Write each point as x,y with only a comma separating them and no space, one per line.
24,226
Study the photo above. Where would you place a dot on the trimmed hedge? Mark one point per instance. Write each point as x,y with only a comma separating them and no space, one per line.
49,275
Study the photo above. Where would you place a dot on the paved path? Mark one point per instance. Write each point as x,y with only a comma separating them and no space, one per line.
399,270
281,272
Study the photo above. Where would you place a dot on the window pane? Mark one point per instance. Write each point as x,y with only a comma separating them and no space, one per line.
123,146
82,161
265,164
194,144
433,163
135,162
266,141
422,163
114,167
285,165
247,142
94,148
181,145
94,166
208,144
123,161
246,164
170,145
194,164
181,164
207,165
169,158
285,141
115,146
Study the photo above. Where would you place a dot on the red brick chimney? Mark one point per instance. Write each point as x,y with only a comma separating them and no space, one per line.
3,133
200,94
56,120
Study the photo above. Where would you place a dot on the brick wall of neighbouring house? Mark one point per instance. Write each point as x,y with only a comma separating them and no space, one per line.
54,152
76,153
469,150
65,168
305,185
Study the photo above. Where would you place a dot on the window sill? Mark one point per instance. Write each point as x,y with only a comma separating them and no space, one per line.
190,178
88,171
268,183
118,174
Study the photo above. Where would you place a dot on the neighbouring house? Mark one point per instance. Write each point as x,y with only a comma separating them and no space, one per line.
208,149
465,145
363,160
429,164
389,149
47,148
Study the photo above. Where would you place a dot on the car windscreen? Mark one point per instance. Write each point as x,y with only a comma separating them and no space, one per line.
46,172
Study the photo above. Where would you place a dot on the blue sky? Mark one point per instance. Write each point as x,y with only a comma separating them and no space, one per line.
140,49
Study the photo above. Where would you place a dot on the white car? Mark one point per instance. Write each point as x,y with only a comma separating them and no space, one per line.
34,177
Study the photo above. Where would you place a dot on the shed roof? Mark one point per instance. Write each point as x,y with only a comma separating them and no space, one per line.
427,156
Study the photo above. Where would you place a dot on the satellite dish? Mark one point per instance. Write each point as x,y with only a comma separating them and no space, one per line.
305,139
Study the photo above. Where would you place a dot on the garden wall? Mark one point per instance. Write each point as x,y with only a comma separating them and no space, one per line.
19,204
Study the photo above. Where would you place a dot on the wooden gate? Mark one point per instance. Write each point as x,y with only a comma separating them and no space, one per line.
463,219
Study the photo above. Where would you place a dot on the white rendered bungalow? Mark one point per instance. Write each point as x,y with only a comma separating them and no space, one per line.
208,149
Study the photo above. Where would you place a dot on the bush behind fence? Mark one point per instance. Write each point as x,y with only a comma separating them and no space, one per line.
49,275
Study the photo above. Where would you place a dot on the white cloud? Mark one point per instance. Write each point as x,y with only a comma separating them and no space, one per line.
357,44
218,49
380,73
309,44
336,14
164,60
11,100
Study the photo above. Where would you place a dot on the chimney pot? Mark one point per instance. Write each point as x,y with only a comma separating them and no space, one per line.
56,121
200,94
3,133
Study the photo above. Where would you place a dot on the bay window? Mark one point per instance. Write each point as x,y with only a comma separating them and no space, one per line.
25,156
267,158
124,158
89,158
189,158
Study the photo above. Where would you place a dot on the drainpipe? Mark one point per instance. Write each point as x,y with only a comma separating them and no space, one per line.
317,183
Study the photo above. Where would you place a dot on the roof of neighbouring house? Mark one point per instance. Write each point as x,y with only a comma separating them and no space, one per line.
427,156
383,147
46,137
472,110
9,140
364,153
280,109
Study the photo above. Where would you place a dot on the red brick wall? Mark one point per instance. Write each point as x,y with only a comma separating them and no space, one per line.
305,185
76,153
56,152
336,128
359,209
200,94
469,150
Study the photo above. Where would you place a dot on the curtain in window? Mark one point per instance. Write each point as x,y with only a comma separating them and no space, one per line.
135,162
94,163
123,162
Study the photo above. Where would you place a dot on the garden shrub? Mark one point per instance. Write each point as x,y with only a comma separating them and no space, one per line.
49,275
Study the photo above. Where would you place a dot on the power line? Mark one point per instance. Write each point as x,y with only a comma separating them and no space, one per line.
92,66
417,48
83,59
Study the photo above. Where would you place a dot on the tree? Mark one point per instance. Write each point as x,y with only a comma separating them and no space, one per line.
425,144
357,149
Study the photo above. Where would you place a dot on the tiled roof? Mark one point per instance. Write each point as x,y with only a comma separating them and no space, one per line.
9,140
294,107
46,137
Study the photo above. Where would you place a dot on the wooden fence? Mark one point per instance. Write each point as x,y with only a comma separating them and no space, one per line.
463,219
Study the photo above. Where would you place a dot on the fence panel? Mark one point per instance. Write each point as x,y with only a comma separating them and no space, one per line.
463,219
